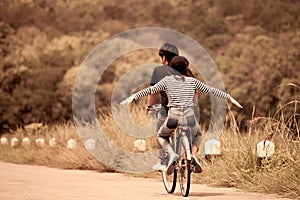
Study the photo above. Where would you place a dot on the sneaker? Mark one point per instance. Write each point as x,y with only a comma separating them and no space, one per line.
165,160
196,165
171,164
172,158
159,167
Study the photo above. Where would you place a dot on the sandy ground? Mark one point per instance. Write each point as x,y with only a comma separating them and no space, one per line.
28,182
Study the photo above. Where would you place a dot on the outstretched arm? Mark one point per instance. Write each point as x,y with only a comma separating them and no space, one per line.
135,96
127,100
216,92
160,86
235,102
151,100
211,90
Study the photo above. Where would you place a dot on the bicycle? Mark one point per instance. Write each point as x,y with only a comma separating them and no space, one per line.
182,166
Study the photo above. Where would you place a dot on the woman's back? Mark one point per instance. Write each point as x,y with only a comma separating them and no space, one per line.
180,91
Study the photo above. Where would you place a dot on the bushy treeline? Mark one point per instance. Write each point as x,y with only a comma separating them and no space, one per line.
42,42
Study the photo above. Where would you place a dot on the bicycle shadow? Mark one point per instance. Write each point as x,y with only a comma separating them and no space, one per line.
202,194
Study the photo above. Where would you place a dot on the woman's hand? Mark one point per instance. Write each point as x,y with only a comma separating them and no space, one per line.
127,100
235,102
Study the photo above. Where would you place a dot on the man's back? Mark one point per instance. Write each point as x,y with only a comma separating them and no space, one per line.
159,73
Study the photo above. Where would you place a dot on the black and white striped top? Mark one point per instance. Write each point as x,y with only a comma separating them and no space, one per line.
180,92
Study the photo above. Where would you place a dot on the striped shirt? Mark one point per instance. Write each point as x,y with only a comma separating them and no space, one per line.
180,92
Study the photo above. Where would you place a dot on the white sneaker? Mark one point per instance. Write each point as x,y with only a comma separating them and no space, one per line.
159,167
172,158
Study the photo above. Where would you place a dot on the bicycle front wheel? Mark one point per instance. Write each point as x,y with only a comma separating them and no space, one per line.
169,181
184,176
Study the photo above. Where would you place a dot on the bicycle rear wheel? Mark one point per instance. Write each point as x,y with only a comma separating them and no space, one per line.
169,181
184,176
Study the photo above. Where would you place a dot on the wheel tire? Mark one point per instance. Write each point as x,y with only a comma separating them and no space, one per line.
184,176
169,181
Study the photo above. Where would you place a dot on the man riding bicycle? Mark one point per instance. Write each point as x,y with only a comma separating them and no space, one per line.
180,91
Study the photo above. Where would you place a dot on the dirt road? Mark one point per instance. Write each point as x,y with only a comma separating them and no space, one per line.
27,182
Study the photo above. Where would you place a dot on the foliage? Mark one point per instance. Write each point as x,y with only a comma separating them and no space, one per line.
255,44
260,66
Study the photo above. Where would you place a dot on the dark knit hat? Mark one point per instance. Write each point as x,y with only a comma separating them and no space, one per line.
180,64
169,50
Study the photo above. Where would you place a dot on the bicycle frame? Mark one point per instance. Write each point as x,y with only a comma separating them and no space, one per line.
183,137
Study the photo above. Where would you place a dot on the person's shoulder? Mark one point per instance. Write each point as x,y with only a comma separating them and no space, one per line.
168,77
158,73
161,71
161,67
190,78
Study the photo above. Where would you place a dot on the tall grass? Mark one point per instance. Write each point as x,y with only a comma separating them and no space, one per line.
59,156
236,167
123,140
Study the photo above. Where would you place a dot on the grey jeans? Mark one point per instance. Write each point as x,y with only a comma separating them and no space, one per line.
177,116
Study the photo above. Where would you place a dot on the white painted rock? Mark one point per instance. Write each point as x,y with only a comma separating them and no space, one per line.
89,144
71,144
52,142
14,142
212,147
4,141
40,142
140,145
26,142
265,148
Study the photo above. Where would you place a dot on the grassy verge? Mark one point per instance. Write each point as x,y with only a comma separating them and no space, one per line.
236,167
58,156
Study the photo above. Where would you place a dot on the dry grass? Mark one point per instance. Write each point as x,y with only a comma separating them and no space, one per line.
58,156
236,167
123,140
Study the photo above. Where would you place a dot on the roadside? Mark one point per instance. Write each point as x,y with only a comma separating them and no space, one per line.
44,183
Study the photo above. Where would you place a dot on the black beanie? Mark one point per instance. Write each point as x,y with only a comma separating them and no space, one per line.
168,50
180,64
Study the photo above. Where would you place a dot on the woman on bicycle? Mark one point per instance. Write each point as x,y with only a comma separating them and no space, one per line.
180,90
